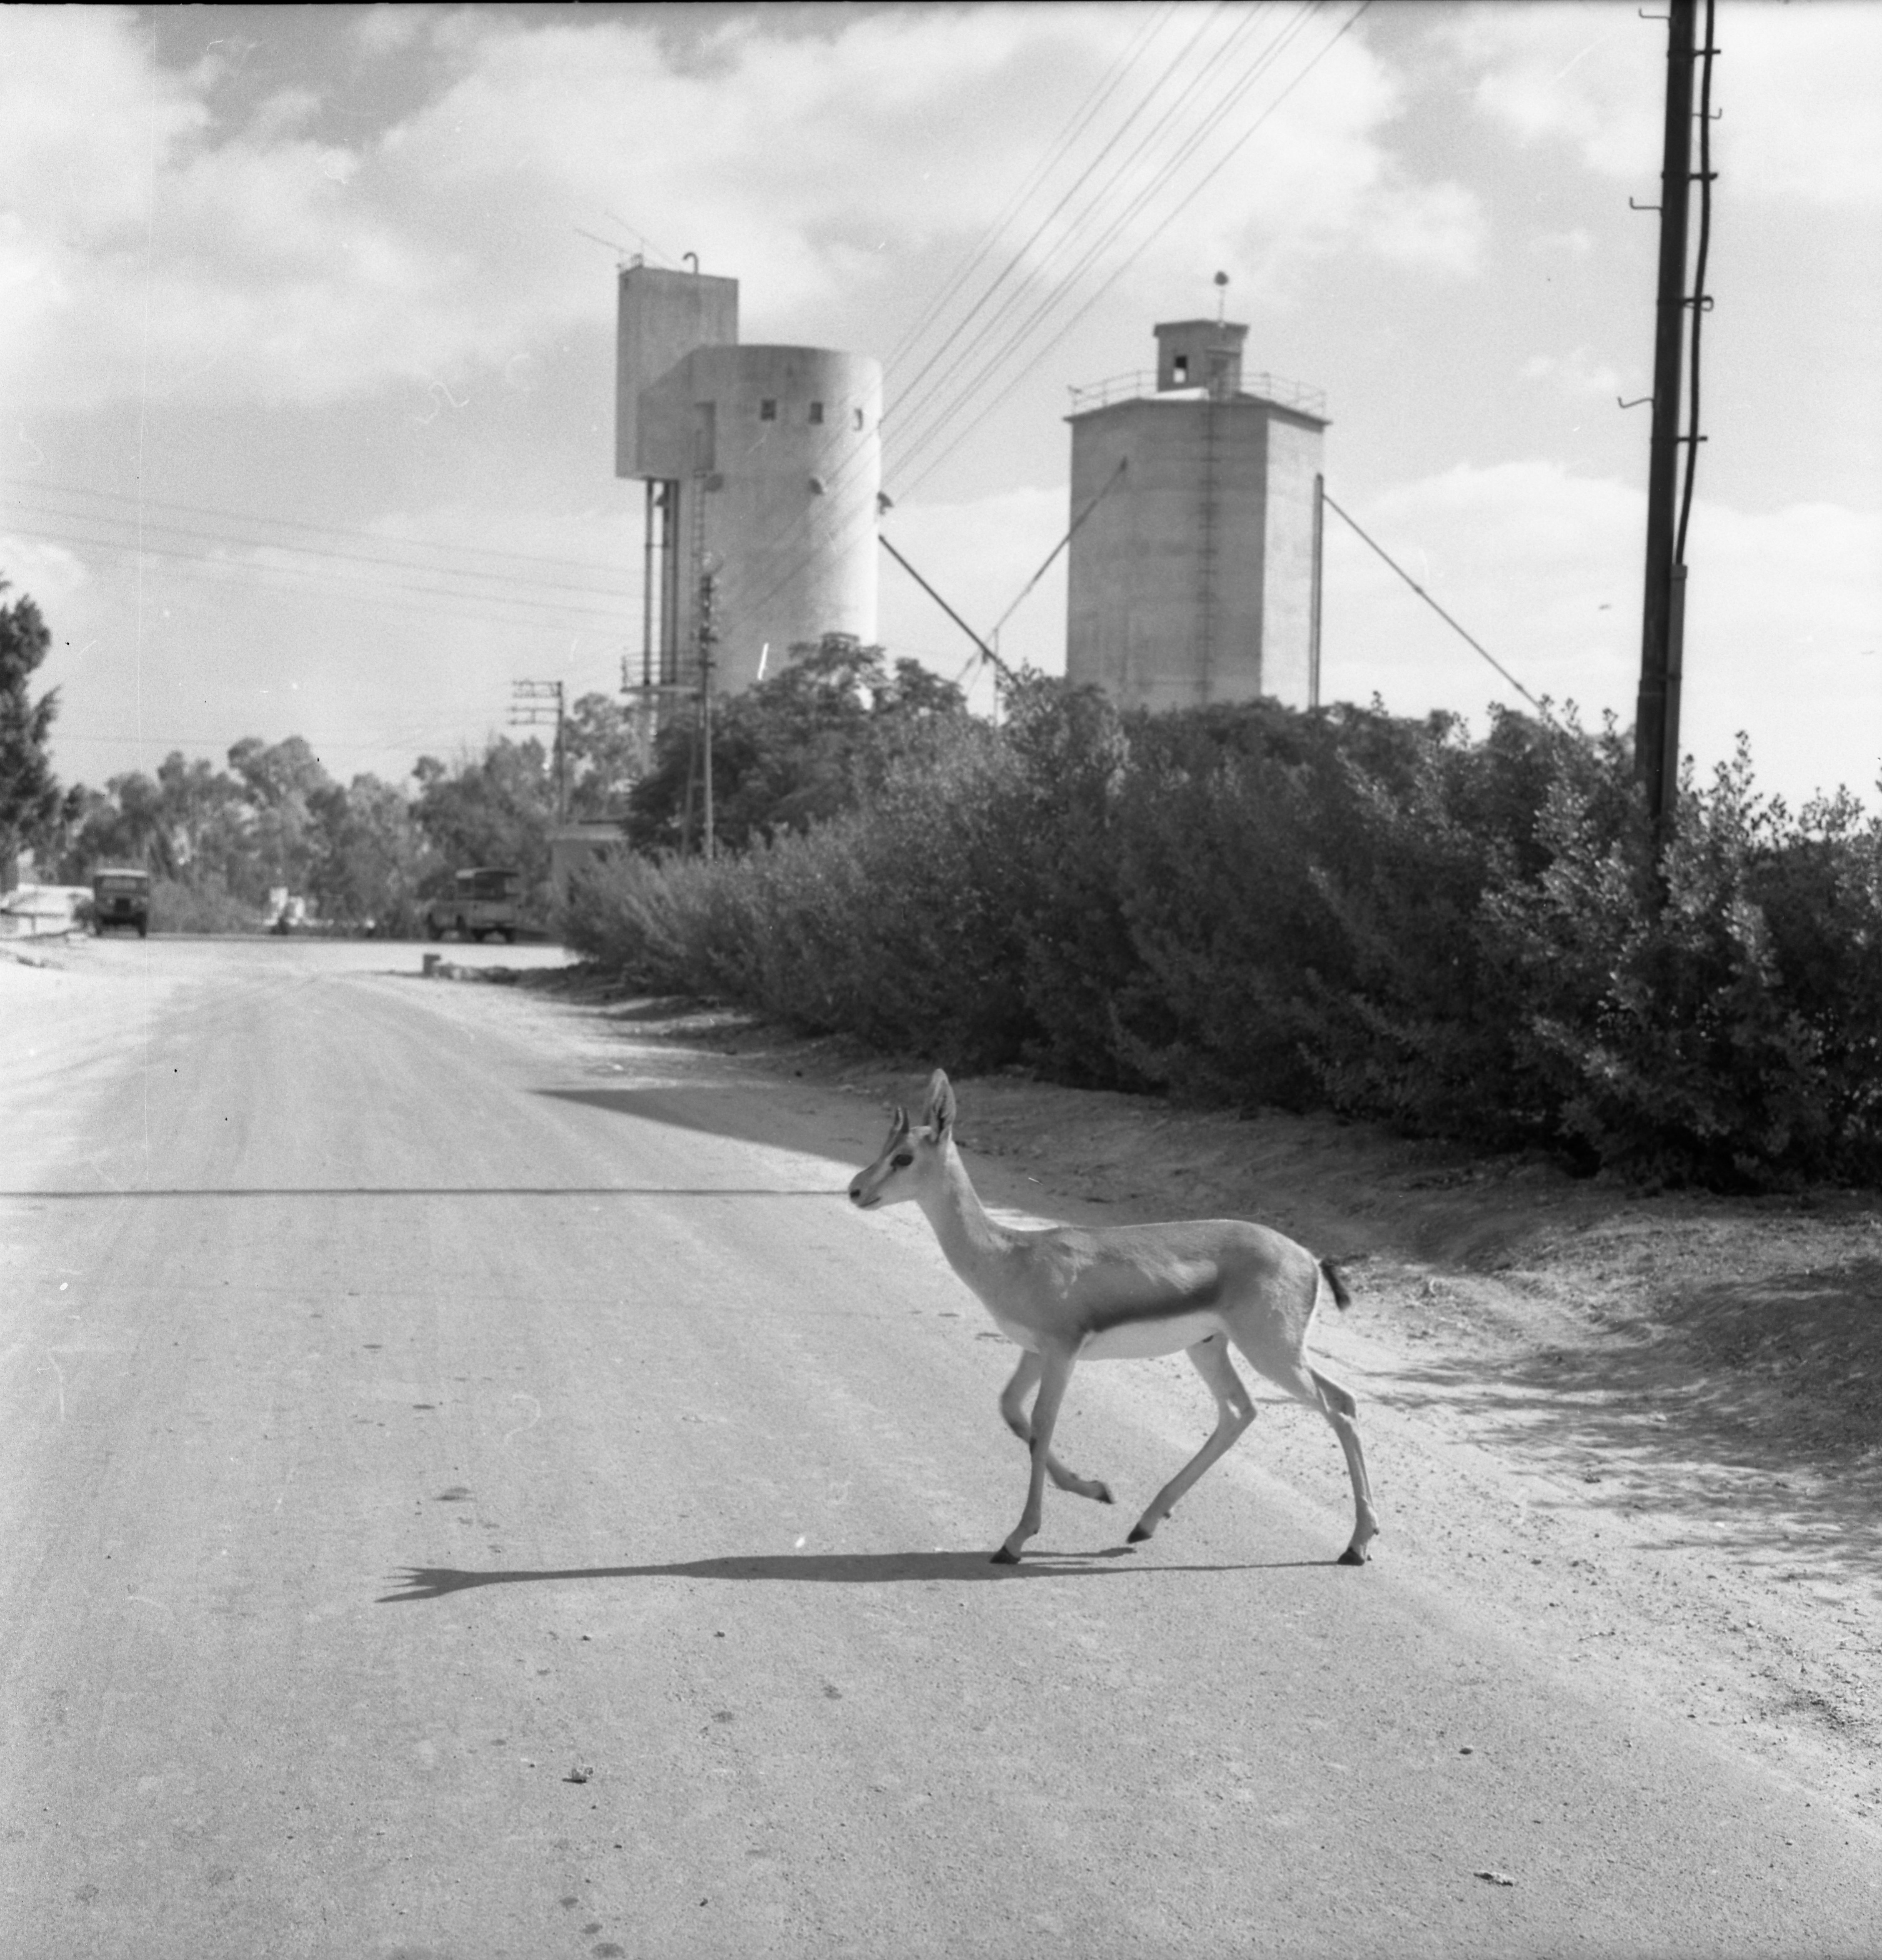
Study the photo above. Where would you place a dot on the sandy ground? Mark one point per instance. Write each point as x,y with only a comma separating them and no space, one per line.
1646,1430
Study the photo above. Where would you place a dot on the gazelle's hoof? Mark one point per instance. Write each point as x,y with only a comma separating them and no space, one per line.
1102,1493
1139,1533
1003,1556
1353,1555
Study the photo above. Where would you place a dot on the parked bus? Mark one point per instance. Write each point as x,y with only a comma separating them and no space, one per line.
481,901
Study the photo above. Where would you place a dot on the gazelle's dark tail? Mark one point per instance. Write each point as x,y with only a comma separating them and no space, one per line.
1341,1298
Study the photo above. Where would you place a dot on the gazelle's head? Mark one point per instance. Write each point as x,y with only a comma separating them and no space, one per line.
911,1158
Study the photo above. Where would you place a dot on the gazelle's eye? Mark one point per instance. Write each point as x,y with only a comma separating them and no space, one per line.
903,1161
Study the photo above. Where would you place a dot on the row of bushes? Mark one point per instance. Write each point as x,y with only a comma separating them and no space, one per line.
1253,906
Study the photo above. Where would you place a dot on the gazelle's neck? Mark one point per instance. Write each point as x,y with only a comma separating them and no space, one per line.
971,1240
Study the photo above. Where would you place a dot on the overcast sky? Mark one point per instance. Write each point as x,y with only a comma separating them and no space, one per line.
306,364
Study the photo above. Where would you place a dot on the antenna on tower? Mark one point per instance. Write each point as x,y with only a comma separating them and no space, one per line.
623,253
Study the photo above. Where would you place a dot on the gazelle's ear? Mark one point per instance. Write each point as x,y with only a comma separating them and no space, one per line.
940,1117
898,1124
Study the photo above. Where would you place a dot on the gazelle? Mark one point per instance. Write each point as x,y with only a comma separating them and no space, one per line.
1067,1294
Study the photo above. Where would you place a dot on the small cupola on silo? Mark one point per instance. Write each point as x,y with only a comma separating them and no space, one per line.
1203,354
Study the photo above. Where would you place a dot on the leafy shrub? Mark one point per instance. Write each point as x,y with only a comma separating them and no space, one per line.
1247,904
898,919
1215,885
1415,828
1058,815
1821,890
1686,1038
209,907
792,751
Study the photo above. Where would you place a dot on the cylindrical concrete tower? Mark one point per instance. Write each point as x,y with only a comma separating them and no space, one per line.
786,503
762,466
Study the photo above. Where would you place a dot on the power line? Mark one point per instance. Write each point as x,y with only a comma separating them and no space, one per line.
967,429
65,737
142,504
327,553
1128,169
1163,175
783,533
1469,639
219,570
1076,125
986,652
1052,555
1082,182
1235,92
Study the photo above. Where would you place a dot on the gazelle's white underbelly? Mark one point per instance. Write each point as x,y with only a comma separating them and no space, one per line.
1136,1340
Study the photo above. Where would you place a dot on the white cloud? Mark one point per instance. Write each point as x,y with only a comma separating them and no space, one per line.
1545,568
1590,75
1576,243
1796,85
148,249
1440,226
1576,373
382,30
47,573
1784,639
1321,177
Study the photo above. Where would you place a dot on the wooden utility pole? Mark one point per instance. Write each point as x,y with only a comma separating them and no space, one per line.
1320,581
1663,619
536,704
708,638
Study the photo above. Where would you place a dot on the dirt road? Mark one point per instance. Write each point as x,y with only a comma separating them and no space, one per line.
471,1487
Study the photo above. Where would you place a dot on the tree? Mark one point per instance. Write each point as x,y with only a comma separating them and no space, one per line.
205,824
282,783
29,791
601,754
495,809
791,751
369,856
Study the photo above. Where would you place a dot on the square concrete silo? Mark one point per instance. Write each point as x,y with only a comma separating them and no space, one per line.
1192,573
662,317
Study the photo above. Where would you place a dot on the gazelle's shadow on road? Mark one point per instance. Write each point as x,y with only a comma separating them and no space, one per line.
852,1568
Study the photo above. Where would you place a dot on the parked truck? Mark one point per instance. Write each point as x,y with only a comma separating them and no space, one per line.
481,900
121,897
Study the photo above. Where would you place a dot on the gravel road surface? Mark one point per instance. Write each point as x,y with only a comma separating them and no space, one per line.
471,1487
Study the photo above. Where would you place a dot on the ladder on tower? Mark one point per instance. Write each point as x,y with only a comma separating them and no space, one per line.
1205,556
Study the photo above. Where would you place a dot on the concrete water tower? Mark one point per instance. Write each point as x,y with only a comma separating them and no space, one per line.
1193,574
762,466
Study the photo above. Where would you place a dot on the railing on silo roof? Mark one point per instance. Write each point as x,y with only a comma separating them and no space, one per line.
1139,384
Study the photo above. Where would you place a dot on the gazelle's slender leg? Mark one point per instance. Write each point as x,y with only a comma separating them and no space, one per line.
1234,1412
1012,1406
1336,1401
1056,1373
